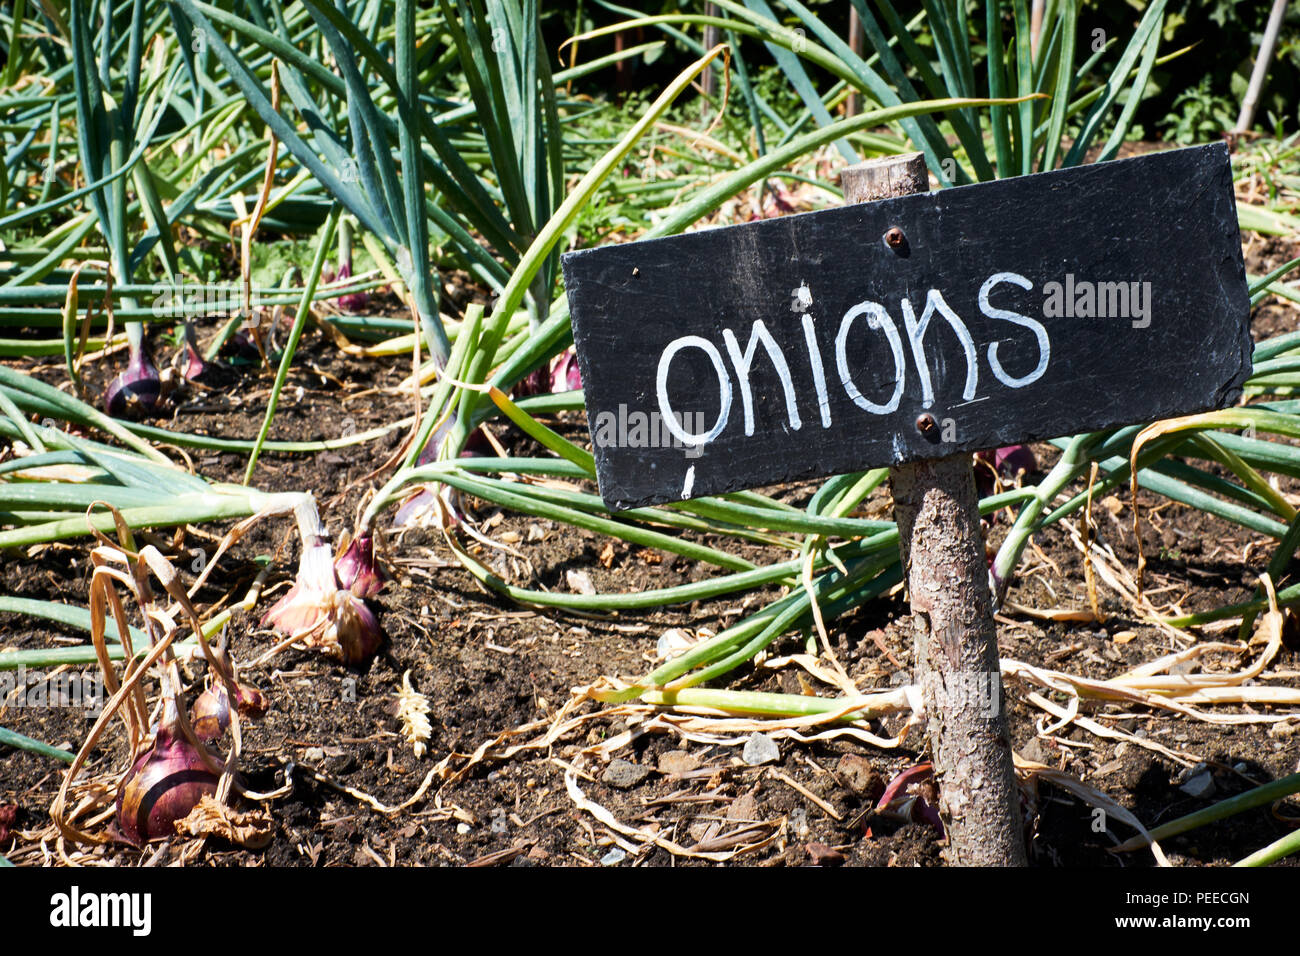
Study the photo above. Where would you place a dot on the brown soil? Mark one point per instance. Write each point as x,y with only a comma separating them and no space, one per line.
489,667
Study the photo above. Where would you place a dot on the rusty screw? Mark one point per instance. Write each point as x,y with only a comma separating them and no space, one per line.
926,425
894,237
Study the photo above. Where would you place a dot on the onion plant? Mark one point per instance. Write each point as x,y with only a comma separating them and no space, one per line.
56,486
109,123
375,137
105,106
1259,796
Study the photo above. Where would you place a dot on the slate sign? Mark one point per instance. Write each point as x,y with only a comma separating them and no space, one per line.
912,328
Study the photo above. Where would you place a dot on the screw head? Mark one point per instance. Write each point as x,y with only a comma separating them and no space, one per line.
894,237
926,425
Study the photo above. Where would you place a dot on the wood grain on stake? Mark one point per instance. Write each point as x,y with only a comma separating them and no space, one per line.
1010,311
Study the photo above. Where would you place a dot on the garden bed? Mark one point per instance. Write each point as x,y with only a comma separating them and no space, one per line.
518,768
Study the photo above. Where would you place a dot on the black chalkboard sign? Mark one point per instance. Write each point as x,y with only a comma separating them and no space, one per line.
912,328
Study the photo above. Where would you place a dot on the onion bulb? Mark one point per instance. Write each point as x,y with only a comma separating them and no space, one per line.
322,613
164,784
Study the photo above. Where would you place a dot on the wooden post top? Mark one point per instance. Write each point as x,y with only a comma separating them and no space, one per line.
885,178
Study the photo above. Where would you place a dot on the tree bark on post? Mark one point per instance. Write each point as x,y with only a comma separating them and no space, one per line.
956,646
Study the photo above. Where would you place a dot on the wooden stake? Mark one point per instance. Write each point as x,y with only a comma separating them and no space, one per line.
956,646
1257,76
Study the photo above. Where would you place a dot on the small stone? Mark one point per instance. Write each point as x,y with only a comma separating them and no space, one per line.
859,775
799,824
702,830
1240,766
579,582
1034,750
623,774
342,765
613,857
823,855
744,808
1200,786
462,828
1284,728
673,642
760,749
678,761
314,754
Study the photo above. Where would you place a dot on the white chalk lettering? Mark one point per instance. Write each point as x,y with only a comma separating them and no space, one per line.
670,418
744,361
1064,300
877,318
916,336
1040,333
818,373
